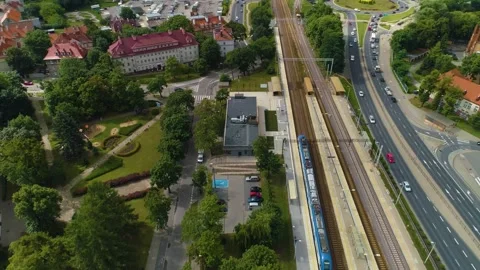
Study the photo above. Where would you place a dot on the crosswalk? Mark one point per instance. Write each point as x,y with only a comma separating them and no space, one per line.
199,98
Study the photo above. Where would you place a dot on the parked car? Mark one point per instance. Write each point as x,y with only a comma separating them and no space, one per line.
406,186
256,189
353,33
27,83
390,158
373,73
355,40
252,178
351,44
394,100
382,79
255,194
360,93
352,58
200,156
255,199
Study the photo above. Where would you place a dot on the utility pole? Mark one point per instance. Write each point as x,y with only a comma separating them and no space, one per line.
378,156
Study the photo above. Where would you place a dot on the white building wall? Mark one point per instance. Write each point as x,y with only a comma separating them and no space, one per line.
467,107
152,60
226,47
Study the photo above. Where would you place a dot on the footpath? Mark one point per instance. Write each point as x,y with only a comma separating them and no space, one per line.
43,130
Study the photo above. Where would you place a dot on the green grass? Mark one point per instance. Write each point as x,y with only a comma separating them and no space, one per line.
251,83
142,244
127,131
141,161
284,247
145,78
365,17
114,122
378,6
361,30
112,163
271,123
139,208
246,12
386,26
271,142
350,93
397,17
468,128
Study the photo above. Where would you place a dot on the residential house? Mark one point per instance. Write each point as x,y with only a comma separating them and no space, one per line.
117,24
225,40
241,127
59,51
79,34
207,24
150,52
470,104
12,36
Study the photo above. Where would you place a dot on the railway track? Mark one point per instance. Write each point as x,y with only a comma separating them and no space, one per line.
303,126
379,233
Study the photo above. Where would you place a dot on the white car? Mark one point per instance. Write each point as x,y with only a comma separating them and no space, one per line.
355,40
252,178
371,119
360,93
356,10
353,33
351,44
406,186
354,29
200,156
352,58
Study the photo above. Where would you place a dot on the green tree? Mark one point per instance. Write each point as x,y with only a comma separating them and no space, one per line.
37,43
157,84
451,97
38,251
206,216
333,46
176,22
259,255
93,97
38,207
93,57
241,58
67,132
127,13
210,51
441,89
199,177
72,69
172,147
158,207
103,220
207,249
136,96
200,66
474,120
428,86
211,122
264,48
266,161
13,98
20,60
172,67
471,65
128,31
182,99
222,95
22,126
177,125
238,29
165,173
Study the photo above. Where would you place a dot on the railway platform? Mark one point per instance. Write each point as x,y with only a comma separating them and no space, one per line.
305,254
358,253
400,231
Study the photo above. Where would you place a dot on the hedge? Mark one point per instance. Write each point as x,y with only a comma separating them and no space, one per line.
135,149
126,131
111,164
136,195
116,182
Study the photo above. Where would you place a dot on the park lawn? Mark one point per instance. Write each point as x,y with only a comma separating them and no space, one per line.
271,123
141,161
142,243
386,26
364,17
361,30
146,78
378,6
468,128
139,208
397,17
251,83
114,122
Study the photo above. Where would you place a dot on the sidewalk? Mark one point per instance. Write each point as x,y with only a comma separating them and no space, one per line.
43,130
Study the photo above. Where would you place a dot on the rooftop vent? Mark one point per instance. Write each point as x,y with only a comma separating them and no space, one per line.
239,120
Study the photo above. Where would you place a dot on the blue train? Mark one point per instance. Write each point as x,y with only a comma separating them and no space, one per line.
316,217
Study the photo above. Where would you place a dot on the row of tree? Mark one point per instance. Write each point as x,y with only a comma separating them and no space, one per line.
325,31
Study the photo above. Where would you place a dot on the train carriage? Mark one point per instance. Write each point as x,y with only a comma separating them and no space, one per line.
308,86
316,216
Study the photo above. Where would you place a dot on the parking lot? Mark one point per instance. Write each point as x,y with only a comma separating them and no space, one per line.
236,194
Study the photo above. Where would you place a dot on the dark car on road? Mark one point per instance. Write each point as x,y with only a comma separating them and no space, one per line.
382,79
255,189
394,100
255,199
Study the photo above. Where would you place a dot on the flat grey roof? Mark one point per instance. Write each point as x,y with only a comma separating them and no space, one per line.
240,134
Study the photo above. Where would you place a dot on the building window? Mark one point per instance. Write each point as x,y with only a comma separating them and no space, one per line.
475,109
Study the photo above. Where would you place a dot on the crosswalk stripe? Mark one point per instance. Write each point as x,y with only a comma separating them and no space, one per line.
199,98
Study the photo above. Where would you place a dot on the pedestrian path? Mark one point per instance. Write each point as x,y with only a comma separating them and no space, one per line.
199,98
43,130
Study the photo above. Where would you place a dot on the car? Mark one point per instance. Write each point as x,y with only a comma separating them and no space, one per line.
374,58
176,89
369,28
255,199
394,100
372,73
478,143
356,10
255,194
236,18
390,158
371,119
256,189
352,58
353,33
372,46
381,15
354,29
351,44
355,40
387,89
350,23
221,202
406,186
200,156
360,93
382,79
27,83
252,178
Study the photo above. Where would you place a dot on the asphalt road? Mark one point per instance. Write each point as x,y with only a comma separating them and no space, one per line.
454,252
237,11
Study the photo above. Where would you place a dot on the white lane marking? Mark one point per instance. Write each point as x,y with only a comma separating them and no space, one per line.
469,214
455,239
441,218
475,228
449,194
427,132
478,210
449,186
428,199
477,179
445,243
426,163
415,196
473,266
415,142
434,226
424,210
448,229
457,262
434,208
464,253
462,141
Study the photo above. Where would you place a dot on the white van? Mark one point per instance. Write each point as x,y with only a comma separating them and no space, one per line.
200,156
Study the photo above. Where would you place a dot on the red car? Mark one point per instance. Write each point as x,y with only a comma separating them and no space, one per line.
255,194
27,83
390,158
369,28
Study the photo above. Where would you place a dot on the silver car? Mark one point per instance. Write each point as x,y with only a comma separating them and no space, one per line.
252,178
406,186
371,119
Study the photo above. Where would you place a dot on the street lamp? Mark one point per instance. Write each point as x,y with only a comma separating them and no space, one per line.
213,174
399,193
430,253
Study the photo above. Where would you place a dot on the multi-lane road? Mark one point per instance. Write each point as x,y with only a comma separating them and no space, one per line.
454,252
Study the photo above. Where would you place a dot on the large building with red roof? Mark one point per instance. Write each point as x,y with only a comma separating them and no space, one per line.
470,104
150,52
60,51
77,33
214,26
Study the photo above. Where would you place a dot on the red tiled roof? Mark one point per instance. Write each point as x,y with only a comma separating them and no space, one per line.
5,44
208,23
472,89
75,29
12,14
168,40
69,34
223,34
117,23
65,50
9,34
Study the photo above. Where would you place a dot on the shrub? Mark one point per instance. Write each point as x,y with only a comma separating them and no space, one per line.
111,141
129,149
116,182
155,111
126,131
79,191
136,195
111,164
225,78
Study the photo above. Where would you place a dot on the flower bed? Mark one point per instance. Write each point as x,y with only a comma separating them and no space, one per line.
120,181
136,195
129,149
111,141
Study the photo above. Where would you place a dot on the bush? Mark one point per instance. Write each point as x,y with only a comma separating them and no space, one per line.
155,111
225,78
111,164
129,149
126,131
136,195
111,141
116,182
